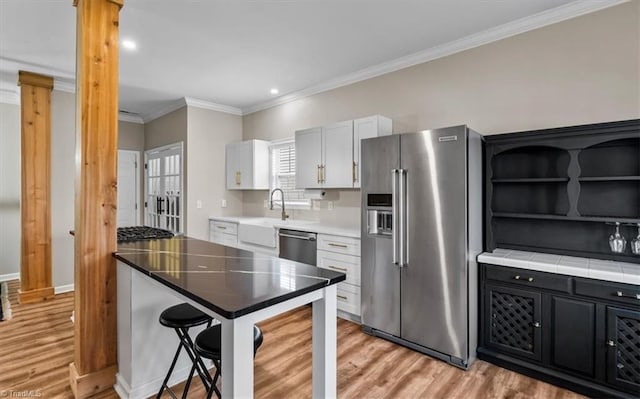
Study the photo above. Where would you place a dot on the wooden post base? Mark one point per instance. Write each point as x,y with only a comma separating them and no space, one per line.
84,386
37,295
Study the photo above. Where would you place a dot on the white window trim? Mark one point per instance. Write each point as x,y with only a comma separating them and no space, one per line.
289,204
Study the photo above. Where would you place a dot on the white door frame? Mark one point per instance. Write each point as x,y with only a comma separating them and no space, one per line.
139,208
180,145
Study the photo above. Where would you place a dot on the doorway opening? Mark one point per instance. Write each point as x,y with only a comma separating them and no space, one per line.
164,188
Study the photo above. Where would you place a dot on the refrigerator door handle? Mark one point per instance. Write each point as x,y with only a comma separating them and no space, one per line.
394,214
401,210
404,232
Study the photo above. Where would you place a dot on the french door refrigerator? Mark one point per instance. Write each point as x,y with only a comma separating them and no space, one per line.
421,233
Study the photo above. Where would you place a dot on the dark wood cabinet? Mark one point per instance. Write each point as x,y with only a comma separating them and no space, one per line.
572,328
513,325
575,332
556,190
623,348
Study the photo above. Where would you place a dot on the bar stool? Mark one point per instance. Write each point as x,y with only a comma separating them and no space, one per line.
182,317
208,344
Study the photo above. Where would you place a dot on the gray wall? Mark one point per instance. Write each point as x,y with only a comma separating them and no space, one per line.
170,129
209,132
9,189
580,71
63,147
131,138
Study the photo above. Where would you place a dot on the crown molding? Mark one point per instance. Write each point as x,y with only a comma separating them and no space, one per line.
146,118
9,97
542,19
133,118
64,85
194,102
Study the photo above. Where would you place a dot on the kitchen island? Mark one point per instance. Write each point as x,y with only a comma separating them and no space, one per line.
238,288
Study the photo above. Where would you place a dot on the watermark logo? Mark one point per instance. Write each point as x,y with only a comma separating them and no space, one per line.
21,394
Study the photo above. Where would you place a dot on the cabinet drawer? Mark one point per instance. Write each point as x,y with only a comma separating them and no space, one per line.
348,264
623,293
529,278
342,245
348,298
223,227
229,240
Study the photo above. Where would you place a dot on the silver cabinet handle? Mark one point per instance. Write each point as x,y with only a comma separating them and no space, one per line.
342,297
221,227
622,295
342,269
338,245
394,214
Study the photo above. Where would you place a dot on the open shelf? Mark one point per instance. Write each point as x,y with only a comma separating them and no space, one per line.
611,158
536,179
532,180
609,178
531,162
599,219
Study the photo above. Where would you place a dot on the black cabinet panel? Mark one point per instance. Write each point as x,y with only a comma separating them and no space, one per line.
573,328
623,341
529,278
513,321
608,290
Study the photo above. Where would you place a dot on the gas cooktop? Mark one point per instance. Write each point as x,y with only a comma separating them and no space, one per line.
137,233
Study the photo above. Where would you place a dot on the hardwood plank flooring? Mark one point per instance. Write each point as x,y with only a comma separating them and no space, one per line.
36,348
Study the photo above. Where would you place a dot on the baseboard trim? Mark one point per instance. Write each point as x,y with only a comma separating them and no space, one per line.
37,295
10,276
87,385
151,388
61,289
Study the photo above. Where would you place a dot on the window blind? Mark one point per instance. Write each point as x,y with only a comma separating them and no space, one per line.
283,174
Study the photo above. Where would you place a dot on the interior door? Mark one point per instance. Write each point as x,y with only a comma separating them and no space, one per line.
163,198
308,158
380,278
338,155
127,188
434,279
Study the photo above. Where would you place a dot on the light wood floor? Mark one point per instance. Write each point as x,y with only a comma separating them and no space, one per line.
36,348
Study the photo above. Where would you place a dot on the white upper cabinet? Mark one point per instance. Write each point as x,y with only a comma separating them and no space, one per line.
329,156
247,165
365,128
337,145
308,157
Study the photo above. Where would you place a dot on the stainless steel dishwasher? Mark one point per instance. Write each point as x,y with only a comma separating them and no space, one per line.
299,246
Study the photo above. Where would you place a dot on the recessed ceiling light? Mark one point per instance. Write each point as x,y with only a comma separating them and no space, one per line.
274,91
128,44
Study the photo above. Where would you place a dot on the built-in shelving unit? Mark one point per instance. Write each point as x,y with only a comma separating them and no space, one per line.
557,190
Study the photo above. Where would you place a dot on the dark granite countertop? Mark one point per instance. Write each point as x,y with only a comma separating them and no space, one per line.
231,282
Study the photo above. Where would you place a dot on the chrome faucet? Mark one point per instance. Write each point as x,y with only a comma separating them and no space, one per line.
284,214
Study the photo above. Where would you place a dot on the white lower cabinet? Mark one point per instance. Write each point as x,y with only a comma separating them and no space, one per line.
223,233
339,254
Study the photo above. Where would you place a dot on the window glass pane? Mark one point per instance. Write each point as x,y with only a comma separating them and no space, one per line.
283,174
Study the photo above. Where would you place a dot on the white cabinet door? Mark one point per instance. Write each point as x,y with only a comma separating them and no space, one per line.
338,155
308,158
247,165
365,128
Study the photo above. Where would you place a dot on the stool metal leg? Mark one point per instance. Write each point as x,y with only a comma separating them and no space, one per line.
195,358
166,379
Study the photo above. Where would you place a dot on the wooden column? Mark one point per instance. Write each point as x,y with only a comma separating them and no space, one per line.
95,363
35,264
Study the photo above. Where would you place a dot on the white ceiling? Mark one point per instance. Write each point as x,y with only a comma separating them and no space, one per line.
233,52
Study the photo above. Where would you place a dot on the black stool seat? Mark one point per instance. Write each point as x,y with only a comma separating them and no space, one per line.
183,316
208,342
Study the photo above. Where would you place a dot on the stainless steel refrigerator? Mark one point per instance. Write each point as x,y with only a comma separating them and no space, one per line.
421,233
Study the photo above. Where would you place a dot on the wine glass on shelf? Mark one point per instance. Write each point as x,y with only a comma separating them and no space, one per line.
635,244
617,242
